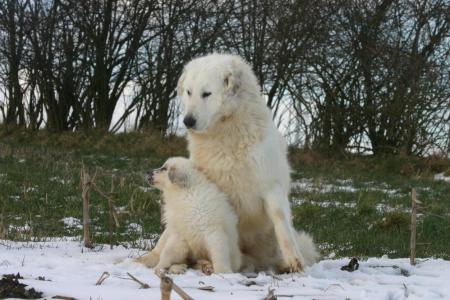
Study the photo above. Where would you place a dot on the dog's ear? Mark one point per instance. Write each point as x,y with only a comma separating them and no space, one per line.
180,89
178,177
232,79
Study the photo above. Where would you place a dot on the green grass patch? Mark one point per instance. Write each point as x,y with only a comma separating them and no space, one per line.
352,206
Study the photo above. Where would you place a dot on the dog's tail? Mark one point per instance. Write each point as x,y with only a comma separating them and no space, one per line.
307,248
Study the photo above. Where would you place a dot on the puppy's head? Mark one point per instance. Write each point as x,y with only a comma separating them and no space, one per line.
175,173
209,88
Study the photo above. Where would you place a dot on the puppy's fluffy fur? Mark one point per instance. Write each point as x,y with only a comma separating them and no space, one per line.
200,223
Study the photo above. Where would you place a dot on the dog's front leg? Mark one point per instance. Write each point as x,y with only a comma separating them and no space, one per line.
278,209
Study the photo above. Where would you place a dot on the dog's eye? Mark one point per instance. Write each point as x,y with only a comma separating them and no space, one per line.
188,92
206,94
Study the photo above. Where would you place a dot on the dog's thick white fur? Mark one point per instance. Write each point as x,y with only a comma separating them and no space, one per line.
200,223
233,140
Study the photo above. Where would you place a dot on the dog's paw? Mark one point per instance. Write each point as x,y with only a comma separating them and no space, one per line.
292,265
177,269
205,266
150,260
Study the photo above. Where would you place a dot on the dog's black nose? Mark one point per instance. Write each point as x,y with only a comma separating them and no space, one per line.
189,121
149,177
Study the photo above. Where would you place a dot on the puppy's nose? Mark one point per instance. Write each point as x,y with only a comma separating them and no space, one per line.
149,177
189,121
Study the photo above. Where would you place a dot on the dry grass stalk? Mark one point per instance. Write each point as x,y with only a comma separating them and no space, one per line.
110,201
142,284
113,216
102,278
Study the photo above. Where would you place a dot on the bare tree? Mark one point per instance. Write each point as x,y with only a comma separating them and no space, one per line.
401,48
275,38
184,30
113,32
381,77
12,42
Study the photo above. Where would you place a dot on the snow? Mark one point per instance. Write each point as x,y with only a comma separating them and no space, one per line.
308,185
18,228
442,177
147,189
345,185
72,222
134,227
386,208
60,180
71,270
325,203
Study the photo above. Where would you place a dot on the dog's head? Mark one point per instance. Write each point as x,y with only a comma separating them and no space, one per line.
175,173
209,89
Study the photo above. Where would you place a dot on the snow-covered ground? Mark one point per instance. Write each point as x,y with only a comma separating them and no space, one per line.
71,270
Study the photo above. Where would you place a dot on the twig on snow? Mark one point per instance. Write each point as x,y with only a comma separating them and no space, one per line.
63,297
102,278
270,295
142,284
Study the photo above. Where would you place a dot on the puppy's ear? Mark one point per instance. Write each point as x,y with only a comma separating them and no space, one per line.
233,79
180,89
178,177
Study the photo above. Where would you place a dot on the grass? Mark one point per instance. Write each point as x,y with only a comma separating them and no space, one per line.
354,206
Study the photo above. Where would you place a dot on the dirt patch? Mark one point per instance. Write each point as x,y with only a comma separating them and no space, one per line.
10,287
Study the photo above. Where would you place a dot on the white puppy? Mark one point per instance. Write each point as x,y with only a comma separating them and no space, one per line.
200,223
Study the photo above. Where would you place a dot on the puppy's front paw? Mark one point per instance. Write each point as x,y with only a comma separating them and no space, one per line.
150,260
177,269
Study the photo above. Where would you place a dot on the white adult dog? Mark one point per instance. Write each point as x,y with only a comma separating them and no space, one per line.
200,223
233,140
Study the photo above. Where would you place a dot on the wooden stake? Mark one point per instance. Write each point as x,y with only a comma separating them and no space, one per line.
175,287
166,287
86,182
413,226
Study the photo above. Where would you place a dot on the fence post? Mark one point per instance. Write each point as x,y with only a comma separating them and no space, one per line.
85,181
